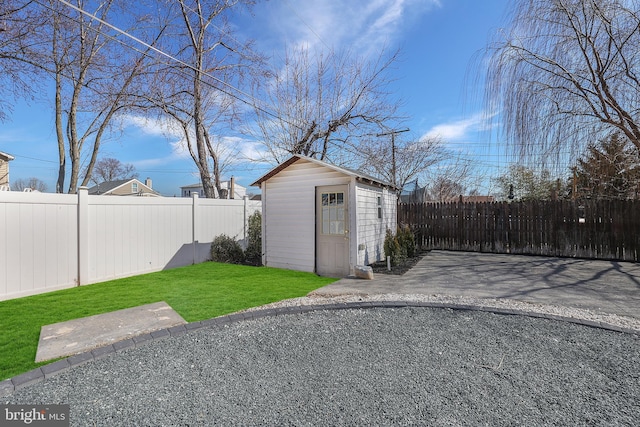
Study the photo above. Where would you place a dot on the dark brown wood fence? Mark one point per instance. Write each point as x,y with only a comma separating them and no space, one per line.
586,229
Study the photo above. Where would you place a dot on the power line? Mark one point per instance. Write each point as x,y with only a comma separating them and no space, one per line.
195,12
17,155
306,25
254,102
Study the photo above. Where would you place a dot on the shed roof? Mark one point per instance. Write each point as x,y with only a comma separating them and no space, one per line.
350,172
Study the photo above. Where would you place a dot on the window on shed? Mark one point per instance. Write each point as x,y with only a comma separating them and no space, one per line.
379,207
134,187
333,217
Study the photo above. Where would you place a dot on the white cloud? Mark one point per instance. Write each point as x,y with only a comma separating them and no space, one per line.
459,129
252,151
160,127
231,149
362,25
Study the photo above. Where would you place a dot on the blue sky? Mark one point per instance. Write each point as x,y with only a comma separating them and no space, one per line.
435,78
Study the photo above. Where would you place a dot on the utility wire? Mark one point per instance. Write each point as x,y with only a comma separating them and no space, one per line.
307,25
254,102
32,158
195,12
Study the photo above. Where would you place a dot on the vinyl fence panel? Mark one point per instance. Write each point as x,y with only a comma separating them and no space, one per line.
56,241
38,243
134,235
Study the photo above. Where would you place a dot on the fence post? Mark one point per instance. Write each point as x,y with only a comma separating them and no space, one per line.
244,237
195,215
83,236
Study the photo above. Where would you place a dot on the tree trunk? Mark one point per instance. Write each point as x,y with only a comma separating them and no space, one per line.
62,155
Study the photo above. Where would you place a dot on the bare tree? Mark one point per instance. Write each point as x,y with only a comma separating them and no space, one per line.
413,158
320,104
17,20
32,183
92,72
197,88
110,169
444,189
567,69
520,183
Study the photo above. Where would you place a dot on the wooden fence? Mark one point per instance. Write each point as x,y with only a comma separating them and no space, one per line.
587,229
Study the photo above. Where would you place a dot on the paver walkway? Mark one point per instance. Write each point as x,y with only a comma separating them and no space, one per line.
611,287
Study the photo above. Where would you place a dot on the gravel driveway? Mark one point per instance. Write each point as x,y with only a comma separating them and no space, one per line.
376,366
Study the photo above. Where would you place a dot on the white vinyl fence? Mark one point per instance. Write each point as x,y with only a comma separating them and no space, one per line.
56,241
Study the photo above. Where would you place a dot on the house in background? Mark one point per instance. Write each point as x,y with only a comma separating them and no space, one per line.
322,218
238,190
422,195
124,187
4,169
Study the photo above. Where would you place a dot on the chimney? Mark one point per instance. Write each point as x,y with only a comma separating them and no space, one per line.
232,189
148,182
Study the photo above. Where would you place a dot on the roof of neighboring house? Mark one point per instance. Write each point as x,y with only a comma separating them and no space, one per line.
109,186
351,172
6,157
199,185
186,187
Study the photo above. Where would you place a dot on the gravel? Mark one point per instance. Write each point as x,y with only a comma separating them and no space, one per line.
569,313
380,366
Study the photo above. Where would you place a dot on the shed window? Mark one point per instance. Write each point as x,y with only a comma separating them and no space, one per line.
134,187
333,217
379,207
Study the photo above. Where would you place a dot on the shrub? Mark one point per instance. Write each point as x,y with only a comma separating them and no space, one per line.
407,240
226,249
253,253
393,248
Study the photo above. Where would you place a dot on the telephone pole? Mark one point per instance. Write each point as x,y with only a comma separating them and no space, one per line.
393,150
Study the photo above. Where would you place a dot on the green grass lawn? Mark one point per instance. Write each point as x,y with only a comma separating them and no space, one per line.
196,292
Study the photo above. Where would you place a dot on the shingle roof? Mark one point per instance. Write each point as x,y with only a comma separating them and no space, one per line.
108,186
105,187
351,172
199,185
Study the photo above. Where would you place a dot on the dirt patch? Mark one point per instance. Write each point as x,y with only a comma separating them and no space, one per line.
398,270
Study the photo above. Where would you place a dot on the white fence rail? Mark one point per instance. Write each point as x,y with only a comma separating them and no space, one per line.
56,241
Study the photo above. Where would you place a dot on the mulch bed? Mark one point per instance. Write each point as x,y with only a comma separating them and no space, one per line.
398,270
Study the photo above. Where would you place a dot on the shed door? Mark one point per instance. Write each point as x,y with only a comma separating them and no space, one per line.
332,231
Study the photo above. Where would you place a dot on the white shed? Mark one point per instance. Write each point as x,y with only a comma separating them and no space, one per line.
322,218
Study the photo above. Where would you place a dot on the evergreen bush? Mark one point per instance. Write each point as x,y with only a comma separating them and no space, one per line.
393,248
226,249
253,253
407,240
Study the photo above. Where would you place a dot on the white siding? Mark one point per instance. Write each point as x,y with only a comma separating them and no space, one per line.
289,214
4,172
371,229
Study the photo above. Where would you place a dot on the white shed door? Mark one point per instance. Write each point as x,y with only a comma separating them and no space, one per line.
332,231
